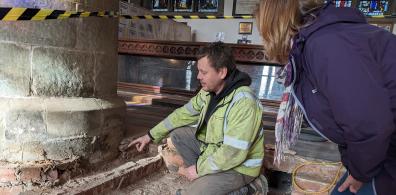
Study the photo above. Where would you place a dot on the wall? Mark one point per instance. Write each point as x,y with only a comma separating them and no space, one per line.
150,29
205,33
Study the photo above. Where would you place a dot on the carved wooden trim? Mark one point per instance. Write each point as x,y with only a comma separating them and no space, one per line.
245,54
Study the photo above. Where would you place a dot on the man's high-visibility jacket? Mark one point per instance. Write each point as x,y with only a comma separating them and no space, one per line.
232,138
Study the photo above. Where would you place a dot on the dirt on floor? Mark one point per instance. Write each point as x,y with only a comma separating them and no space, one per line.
162,182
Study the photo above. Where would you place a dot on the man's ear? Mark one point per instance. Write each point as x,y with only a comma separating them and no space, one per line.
223,72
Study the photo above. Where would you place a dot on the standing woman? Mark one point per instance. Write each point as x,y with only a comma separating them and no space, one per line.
341,73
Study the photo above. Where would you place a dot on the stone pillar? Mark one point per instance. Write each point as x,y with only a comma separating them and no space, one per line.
58,96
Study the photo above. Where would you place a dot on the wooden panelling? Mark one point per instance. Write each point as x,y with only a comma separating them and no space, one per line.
244,54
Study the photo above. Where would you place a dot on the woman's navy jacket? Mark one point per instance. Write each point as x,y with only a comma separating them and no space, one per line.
345,79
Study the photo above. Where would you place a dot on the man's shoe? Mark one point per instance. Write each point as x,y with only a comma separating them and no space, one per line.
258,186
242,191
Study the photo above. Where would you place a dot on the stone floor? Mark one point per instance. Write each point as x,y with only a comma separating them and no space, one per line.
162,182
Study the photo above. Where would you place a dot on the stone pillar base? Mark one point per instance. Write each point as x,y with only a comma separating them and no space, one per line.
38,129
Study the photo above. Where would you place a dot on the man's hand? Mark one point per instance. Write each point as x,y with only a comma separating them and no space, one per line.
351,183
140,142
189,172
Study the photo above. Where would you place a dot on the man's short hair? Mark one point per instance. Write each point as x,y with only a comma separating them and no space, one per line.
219,55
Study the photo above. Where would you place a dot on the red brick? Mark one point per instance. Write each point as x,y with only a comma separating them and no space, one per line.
7,175
30,174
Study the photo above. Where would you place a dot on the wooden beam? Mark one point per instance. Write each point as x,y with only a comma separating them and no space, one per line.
244,54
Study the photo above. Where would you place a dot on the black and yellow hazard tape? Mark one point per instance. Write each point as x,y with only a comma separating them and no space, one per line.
14,14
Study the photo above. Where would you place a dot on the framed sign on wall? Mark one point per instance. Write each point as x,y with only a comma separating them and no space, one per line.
245,28
245,7
183,5
186,7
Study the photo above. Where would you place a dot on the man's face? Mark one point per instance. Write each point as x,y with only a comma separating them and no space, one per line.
211,80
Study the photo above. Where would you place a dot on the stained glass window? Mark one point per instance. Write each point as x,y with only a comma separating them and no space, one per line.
343,3
374,7
160,5
208,5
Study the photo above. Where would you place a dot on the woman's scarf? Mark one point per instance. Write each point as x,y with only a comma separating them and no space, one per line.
290,116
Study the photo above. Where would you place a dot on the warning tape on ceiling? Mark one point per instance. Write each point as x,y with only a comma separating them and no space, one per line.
14,14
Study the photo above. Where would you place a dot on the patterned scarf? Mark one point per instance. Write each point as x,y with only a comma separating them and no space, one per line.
290,116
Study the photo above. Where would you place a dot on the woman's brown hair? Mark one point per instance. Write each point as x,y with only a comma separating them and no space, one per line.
278,21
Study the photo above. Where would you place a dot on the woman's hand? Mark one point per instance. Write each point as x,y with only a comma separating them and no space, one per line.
351,183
